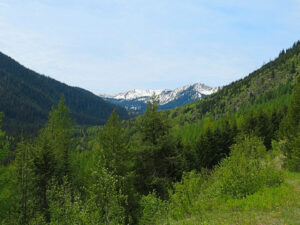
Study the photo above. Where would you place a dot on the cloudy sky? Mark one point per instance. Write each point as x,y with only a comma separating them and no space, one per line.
108,46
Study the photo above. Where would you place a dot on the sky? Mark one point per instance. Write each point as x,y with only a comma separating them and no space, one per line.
110,46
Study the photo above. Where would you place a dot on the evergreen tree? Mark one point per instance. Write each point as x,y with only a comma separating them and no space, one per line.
152,125
59,128
258,123
263,128
214,144
116,159
51,155
113,146
157,161
44,168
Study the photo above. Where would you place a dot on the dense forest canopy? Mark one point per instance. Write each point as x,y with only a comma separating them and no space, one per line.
26,98
182,166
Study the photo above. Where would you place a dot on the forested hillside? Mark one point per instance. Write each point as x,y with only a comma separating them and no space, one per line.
232,158
271,81
26,98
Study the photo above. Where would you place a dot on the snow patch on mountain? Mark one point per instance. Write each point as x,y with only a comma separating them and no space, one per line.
196,91
134,94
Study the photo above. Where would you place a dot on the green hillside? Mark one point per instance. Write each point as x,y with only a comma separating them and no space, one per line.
231,158
26,98
271,81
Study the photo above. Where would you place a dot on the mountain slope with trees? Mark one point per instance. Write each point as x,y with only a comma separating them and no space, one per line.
26,98
240,166
271,81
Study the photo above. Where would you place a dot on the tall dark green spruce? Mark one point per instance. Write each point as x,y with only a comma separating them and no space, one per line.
214,144
50,156
60,129
157,161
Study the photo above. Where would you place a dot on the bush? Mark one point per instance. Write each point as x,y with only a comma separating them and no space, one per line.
153,209
65,208
182,199
247,170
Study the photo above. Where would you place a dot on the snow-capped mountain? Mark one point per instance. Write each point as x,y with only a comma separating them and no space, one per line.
136,100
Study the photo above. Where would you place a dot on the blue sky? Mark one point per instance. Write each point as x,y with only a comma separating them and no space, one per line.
108,46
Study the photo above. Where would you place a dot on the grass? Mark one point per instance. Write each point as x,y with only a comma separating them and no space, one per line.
274,205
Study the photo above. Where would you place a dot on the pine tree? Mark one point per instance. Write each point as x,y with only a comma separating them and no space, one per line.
44,167
115,157
113,146
153,125
263,128
59,127
51,155
157,161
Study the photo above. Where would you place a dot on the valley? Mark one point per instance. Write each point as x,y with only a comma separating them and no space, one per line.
195,155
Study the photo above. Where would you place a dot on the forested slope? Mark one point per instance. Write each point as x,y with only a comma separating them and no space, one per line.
271,81
26,98
237,146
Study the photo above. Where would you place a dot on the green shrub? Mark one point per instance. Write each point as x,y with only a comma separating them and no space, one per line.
153,209
64,209
182,199
247,170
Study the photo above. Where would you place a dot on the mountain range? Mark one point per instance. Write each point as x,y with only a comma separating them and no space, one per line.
136,100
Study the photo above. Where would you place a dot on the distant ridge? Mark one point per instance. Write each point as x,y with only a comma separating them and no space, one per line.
136,100
26,98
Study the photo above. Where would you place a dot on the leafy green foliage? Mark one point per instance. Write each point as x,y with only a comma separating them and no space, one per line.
8,191
182,198
247,170
106,198
152,209
271,205
65,208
